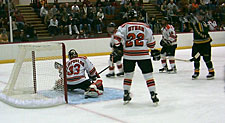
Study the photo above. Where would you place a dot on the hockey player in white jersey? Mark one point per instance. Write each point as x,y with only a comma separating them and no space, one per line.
136,38
76,68
169,45
116,55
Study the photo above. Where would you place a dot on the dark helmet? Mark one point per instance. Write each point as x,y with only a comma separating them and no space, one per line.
111,24
111,28
72,54
132,14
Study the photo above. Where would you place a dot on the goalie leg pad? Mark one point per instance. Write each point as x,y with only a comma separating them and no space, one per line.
93,92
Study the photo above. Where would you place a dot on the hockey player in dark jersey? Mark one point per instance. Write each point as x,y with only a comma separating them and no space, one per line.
202,44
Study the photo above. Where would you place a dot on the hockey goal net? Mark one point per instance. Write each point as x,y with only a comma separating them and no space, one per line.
33,77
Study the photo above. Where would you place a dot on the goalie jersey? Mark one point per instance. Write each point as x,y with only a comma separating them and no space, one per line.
76,69
136,38
168,35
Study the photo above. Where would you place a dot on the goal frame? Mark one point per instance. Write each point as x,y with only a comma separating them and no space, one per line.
31,49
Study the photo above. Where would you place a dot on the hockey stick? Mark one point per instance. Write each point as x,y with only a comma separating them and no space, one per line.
197,55
104,69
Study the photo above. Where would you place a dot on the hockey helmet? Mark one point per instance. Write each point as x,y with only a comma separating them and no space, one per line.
111,28
72,54
132,14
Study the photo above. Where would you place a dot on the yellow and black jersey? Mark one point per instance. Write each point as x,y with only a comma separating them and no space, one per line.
201,32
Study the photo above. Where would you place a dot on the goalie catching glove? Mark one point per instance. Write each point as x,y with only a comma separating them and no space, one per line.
155,54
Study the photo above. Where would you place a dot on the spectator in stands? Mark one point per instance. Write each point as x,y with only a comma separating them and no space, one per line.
113,6
92,18
53,26
100,17
76,15
48,17
54,10
29,33
87,2
68,9
130,6
172,9
72,26
124,13
159,4
143,13
152,23
212,24
222,27
164,8
19,20
61,8
99,5
123,2
108,7
3,36
43,11
75,7
86,26
194,6
2,9
84,9
63,23
56,3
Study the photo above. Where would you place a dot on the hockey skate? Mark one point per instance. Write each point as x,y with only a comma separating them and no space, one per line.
110,75
163,70
195,75
126,97
154,97
210,75
172,70
120,74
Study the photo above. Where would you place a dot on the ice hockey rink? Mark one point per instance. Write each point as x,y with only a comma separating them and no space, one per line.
182,100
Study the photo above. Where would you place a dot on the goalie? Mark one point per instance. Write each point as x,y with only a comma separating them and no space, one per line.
76,68
116,55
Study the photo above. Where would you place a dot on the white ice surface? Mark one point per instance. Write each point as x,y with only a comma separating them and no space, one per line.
182,100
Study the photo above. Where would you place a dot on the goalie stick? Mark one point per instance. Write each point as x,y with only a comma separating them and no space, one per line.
197,55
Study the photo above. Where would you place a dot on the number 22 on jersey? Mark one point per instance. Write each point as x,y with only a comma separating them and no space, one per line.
134,40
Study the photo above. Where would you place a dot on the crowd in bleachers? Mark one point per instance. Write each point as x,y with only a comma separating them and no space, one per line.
21,31
85,18
177,10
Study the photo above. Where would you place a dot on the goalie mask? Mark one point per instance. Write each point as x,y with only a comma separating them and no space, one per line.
111,28
72,54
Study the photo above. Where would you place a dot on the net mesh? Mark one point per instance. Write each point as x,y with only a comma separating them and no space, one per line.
33,87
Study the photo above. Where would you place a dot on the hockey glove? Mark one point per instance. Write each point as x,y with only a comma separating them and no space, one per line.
155,54
165,43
